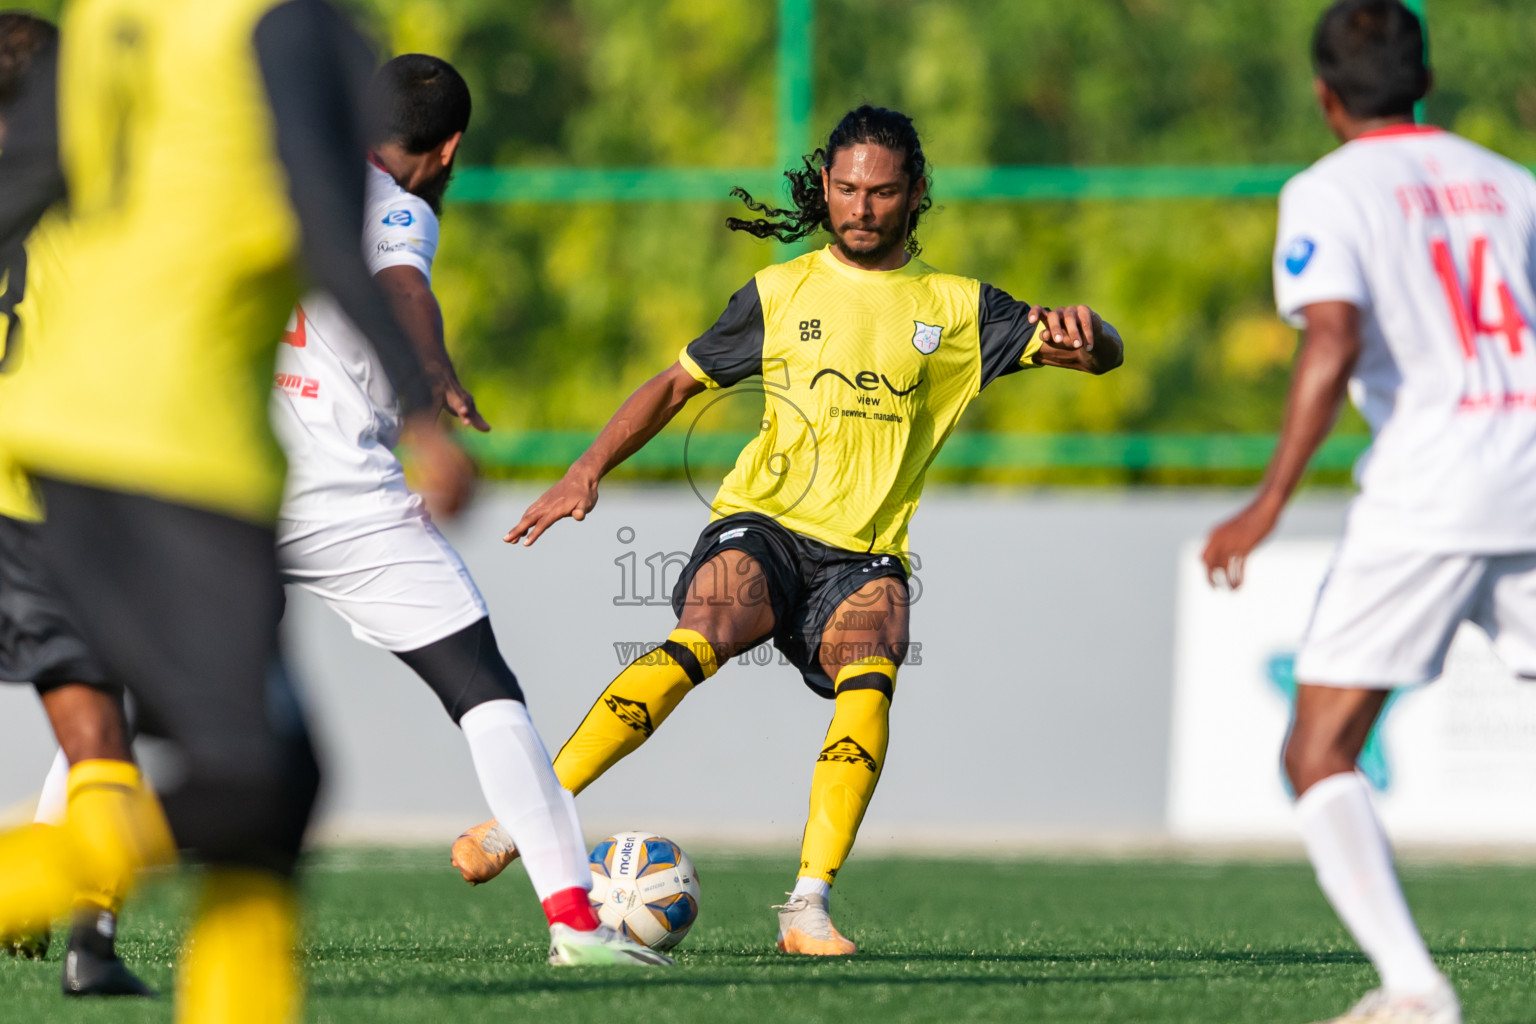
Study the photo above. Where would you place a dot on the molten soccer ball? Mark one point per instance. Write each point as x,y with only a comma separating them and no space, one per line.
645,886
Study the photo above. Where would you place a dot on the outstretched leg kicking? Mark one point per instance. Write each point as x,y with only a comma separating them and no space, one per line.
634,705
403,588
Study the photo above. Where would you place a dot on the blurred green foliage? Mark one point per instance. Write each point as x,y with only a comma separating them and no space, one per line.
556,311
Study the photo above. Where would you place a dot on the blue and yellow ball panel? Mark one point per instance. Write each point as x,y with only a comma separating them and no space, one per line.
676,912
658,855
602,857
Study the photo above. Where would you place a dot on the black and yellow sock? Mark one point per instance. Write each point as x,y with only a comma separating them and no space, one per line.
239,964
633,706
849,765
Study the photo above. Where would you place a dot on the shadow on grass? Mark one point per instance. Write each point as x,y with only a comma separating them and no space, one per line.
621,979
767,956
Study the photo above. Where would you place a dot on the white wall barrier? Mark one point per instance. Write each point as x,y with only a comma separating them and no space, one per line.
1040,710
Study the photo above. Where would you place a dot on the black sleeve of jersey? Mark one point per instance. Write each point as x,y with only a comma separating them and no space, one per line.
732,350
31,179
1005,333
315,69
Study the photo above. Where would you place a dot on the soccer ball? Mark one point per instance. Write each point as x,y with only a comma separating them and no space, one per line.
645,887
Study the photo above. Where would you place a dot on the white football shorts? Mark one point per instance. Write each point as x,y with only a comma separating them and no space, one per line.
1386,615
396,581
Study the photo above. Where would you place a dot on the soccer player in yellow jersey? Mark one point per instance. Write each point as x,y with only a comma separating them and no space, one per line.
209,150
868,357
39,640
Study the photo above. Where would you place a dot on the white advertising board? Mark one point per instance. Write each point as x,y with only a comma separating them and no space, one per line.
1453,761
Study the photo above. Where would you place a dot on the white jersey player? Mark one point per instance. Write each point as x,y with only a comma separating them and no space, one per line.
351,530
1409,256
353,533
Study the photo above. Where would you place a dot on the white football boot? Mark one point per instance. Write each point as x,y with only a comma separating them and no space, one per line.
602,947
1437,1006
806,928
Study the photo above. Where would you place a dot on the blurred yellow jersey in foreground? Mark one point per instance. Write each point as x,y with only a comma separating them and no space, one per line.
43,269
157,367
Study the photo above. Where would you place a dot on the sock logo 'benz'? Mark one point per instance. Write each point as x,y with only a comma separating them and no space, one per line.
632,713
847,751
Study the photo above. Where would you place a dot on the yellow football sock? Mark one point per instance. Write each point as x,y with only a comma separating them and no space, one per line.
108,799
113,827
633,706
239,964
848,766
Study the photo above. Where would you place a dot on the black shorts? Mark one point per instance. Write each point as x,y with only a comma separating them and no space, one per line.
181,605
807,581
39,642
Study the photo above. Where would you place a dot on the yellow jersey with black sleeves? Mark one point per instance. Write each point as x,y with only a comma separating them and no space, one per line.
157,369
28,281
864,374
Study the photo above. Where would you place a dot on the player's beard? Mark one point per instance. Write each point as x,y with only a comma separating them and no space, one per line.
887,239
432,191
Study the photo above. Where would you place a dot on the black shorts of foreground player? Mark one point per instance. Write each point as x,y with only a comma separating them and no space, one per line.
868,357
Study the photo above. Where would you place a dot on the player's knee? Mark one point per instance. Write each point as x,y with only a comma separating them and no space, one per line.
465,669
1307,758
87,720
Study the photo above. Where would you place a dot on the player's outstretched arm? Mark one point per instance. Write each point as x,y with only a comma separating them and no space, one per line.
639,419
1328,355
415,306
1077,338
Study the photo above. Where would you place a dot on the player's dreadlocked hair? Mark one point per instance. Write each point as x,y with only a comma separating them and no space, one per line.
877,125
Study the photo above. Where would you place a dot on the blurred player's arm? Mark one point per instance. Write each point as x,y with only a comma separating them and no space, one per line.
415,306
727,353
31,179
1329,352
314,67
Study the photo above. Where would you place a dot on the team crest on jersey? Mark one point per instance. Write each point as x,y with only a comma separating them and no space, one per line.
399,219
846,751
925,337
632,713
1298,254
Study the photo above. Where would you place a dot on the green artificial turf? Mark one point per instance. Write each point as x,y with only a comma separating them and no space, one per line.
395,936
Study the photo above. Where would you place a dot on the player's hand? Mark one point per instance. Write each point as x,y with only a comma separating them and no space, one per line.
1069,328
452,395
461,403
444,475
1228,547
1076,338
574,496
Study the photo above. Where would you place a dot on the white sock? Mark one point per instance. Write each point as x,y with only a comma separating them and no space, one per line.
1354,867
520,786
51,803
808,886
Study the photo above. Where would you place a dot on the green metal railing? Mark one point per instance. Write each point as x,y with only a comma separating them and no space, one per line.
553,450
793,134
